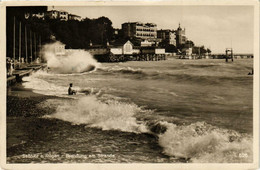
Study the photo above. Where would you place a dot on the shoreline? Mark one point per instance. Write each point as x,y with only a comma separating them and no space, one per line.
25,70
29,135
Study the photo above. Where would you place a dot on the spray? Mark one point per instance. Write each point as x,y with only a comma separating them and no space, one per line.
73,61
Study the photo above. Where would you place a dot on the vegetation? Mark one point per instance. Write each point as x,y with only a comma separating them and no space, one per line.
75,34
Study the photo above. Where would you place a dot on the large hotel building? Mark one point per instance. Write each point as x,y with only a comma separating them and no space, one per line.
167,36
140,30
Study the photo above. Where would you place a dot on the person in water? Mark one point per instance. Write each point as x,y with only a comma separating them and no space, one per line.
71,91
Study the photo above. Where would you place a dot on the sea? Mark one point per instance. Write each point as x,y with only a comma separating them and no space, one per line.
169,111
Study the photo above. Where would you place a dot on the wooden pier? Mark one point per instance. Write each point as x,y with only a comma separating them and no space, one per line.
18,74
136,57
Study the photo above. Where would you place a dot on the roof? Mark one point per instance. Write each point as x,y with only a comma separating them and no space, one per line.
140,23
74,15
121,42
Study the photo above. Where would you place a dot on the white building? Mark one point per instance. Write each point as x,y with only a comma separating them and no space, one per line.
63,16
60,49
53,14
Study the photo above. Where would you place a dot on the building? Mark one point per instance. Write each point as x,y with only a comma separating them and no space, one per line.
53,14
60,49
167,36
180,36
63,15
139,30
39,15
146,43
74,17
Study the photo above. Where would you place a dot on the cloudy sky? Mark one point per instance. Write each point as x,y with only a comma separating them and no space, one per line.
216,27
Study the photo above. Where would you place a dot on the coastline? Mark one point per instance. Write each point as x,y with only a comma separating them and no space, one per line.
33,138
22,106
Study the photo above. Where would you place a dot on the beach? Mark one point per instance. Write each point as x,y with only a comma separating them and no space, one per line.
134,112
27,132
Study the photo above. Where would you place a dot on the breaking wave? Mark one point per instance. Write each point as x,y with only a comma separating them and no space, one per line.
38,85
78,61
109,115
198,142
204,143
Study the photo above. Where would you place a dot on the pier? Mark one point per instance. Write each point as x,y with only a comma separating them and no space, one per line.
21,72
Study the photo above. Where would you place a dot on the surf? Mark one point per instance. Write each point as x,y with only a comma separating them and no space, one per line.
71,62
197,142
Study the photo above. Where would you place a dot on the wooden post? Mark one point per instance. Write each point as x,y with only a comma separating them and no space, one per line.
226,55
14,41
20,42
40,47
31,46
232,55
199,51
35,52
26,53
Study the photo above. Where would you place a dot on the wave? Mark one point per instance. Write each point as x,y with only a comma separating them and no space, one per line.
43,87
188,76
204,143
38,85
78,61
125,70
109,115
197,142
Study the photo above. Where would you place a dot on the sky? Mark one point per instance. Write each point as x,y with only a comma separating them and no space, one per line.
215,27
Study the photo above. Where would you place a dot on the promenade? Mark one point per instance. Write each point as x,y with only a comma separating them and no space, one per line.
23,70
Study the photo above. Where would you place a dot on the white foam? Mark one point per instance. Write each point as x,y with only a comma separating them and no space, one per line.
122,69
205,144
109,115
73,62
43,87
37,83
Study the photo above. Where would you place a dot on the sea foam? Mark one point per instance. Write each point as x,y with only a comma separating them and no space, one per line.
204,143
72,62
109,115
